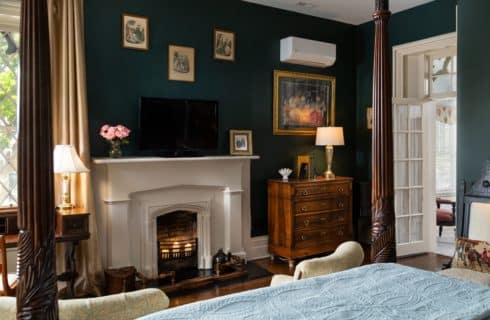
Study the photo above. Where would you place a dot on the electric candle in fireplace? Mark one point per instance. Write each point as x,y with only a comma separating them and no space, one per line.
188,250
165,254
176,250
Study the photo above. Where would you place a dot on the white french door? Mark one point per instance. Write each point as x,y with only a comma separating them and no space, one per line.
409,178
417,66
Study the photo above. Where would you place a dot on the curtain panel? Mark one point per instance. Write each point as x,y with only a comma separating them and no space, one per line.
70,126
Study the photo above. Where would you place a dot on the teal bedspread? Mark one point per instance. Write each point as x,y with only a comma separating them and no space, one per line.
377,291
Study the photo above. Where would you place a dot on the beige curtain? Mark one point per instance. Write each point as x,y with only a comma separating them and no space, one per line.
70,126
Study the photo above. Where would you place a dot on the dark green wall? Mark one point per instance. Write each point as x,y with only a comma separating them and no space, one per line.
435,18
473,87
117,77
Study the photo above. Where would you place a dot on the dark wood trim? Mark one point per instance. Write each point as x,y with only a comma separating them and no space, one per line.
36,291
12,210
383,246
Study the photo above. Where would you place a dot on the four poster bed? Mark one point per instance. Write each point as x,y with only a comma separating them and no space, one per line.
372,292
377,291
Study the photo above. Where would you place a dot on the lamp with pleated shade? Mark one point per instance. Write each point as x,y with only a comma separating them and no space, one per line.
329,137
66,161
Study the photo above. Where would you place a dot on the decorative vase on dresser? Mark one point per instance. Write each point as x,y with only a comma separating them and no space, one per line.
308,217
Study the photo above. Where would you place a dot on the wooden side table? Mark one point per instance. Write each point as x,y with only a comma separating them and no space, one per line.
72,226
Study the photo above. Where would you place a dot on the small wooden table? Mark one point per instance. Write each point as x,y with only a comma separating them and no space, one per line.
71,227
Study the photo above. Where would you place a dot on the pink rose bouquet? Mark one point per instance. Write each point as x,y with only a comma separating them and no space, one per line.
119,132
115,135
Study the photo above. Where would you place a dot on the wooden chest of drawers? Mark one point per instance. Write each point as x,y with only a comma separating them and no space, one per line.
308,217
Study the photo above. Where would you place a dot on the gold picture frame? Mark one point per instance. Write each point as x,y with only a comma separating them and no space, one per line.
135,32
302,102
241,143
181,63
224,45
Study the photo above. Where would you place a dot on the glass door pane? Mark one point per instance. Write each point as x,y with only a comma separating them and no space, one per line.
408,166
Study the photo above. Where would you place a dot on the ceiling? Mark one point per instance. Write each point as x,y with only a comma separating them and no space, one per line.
348,11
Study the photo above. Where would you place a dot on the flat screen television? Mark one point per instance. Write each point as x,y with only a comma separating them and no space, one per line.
174,127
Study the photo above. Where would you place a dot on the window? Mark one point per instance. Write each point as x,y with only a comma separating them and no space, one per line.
445,144
442,76
9,80
9,76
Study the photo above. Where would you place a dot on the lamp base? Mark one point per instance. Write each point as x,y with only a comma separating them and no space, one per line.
329,175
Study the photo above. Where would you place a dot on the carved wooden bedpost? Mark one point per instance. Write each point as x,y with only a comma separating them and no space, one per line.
36,291
383,246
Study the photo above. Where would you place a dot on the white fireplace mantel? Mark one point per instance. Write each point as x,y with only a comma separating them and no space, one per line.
125,189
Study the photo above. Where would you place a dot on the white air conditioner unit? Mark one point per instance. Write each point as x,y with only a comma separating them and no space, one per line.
308,52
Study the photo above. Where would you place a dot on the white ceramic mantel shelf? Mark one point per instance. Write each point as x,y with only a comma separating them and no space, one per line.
172,159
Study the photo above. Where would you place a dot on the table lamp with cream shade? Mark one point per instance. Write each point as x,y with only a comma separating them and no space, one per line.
66,161
329,137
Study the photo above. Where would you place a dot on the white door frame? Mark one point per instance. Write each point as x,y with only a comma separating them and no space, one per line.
400,73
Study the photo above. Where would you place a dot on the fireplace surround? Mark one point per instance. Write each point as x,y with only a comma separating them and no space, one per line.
131,193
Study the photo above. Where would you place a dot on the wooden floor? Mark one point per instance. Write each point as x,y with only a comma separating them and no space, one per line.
429,261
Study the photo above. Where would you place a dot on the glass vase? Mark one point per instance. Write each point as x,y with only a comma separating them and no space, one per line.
115,149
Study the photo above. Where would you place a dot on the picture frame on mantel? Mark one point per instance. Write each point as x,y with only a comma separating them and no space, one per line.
224,45
302,103
241,143
181,63
135,32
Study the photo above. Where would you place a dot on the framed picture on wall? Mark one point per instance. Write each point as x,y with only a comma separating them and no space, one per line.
302,102
135,33
241,142
181,63
369,118
224,45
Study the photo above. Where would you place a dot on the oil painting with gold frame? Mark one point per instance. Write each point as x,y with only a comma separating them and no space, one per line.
302,102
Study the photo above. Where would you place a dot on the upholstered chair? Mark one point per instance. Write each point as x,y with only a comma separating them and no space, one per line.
347,255
478,229
8,281
122,306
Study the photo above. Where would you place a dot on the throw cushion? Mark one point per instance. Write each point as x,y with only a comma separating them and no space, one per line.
472,254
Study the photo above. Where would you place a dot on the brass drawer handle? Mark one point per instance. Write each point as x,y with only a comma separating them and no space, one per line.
305,193
303,237
340,204
303,209
307,223
340,189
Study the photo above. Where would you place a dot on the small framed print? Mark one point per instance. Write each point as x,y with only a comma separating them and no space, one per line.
224,45
369,118
181,63
135,33
241,142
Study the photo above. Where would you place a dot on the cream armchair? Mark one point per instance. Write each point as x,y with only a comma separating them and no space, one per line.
347,255
122,306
